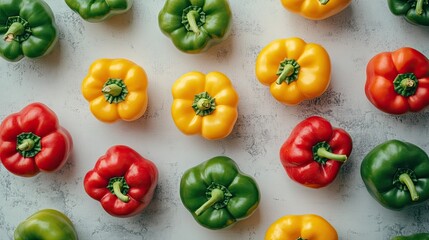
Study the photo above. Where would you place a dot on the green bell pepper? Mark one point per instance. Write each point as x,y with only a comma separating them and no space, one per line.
396,174
218,194
99,10
195,25
28,29
414,11
46,224
417,236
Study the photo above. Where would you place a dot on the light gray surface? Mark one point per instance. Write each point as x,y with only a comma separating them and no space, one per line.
351,38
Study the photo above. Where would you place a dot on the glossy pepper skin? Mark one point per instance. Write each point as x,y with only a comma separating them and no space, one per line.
398,82
417,236
99,10
46,224
294,70
116,89
316,9
314,152
396,174
301,227
218,194
195,25
204,104
123,181
28,29
32,141
414,11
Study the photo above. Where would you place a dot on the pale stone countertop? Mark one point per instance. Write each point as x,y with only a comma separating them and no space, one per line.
351,38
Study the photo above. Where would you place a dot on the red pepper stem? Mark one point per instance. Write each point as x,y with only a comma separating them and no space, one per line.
419,7
192,21
117,191
407,82
216,196
323,152
406,179
15,29
26,145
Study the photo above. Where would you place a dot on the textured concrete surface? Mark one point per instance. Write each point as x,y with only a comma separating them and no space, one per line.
351,38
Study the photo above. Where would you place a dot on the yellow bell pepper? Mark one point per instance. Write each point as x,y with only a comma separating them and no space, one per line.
204,104
116,89
301,227
316,9
294,70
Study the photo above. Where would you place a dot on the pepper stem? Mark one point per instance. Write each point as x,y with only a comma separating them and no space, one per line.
406,84
323,2
419,7
191,15
216,196
406,179
323,152
14,30
26,145
288,70
112,89
204,104
117,186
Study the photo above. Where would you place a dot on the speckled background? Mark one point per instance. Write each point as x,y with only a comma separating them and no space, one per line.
351,38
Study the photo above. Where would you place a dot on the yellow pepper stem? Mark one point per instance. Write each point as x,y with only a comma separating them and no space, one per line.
323,2
288,71
114,90
216,196
203,104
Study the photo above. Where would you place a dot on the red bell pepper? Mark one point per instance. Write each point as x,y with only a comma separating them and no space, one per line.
314,152
123,181
398,82
32,141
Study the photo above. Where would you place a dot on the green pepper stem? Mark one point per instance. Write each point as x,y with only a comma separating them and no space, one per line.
110,2
288,70
192,21
323,2
419,7
117,191
406,179
216,196
15,29
323,152
112,89
26,145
